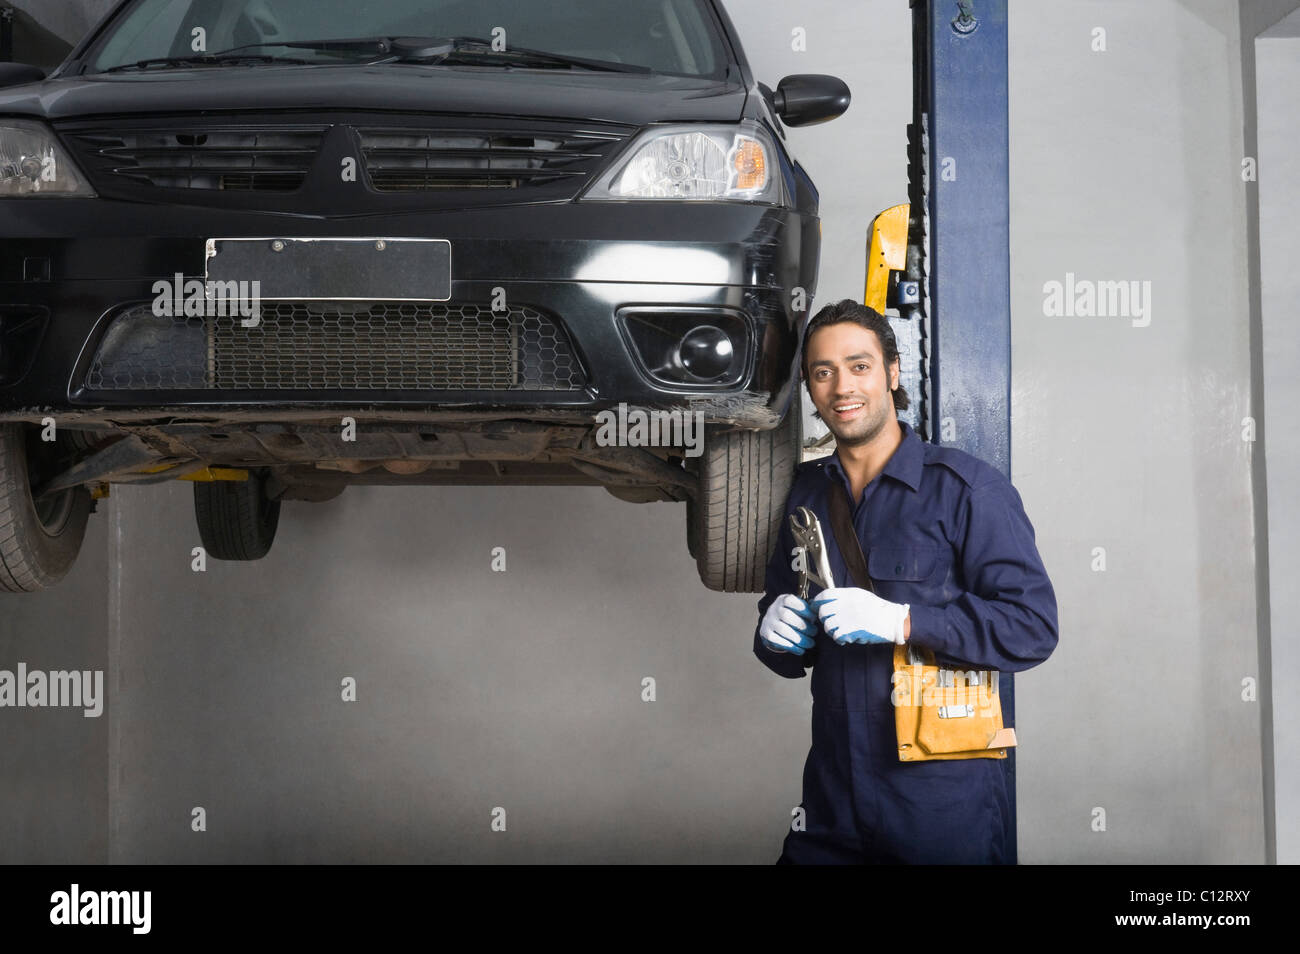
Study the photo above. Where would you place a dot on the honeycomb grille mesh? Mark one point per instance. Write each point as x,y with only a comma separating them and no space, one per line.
346,346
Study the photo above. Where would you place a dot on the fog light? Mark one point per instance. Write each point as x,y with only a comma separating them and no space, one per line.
709,348
706,352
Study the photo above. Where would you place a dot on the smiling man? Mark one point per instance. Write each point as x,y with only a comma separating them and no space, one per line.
952,557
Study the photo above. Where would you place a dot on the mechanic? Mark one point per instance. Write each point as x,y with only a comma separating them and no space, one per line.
952,556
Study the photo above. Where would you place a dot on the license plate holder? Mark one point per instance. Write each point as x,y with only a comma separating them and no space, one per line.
312,269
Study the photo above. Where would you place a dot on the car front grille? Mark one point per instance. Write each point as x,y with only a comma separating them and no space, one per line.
417,160
338,346
550,159
239,158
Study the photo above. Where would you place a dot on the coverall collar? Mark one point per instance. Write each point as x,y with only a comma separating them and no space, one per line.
904,465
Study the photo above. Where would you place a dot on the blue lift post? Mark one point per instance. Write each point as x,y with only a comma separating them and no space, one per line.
958,242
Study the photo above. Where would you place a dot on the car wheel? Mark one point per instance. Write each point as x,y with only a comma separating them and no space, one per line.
237,520
39,538
732,524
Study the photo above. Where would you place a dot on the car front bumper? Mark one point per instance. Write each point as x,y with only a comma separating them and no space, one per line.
70,267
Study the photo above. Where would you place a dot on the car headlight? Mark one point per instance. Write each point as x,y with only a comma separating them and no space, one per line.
32,163
696,162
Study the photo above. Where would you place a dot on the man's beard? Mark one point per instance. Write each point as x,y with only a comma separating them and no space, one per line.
862,431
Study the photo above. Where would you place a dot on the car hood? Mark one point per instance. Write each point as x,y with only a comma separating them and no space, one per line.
631,98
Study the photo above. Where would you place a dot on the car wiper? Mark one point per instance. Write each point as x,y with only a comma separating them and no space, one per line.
433,50
203,59
366,44
238,54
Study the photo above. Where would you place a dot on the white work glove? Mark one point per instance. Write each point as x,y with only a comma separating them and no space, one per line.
788,626
852,615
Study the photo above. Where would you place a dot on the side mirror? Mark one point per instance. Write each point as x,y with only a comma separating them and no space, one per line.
805,99
15,74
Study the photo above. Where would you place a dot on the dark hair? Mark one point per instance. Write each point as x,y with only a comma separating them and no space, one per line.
850,310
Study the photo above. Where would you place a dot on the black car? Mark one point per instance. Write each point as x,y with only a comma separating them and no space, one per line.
276,247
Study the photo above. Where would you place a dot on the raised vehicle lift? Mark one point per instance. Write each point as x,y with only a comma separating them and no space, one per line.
943,260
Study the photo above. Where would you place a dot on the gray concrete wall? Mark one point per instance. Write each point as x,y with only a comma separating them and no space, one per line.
69,19
1277,55
475,689
54,762
1127,440
521,690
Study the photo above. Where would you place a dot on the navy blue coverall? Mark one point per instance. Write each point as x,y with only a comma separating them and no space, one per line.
946,533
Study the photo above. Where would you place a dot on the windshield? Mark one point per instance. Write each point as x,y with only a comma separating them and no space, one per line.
664,36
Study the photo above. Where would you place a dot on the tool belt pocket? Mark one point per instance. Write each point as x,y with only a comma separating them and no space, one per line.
943,713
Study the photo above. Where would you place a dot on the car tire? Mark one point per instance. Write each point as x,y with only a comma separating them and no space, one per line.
236,518
39,541
745,478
